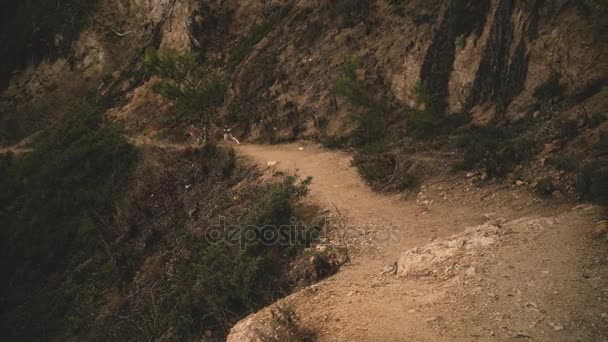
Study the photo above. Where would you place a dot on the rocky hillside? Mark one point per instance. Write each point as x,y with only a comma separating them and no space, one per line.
502,90
529,70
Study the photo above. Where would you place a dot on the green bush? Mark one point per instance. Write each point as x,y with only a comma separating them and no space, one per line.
423,123
332,141
367,113
496,149
196,92
225,278
57,197
273,210
350,87
426,123
55,207
398,6
384,171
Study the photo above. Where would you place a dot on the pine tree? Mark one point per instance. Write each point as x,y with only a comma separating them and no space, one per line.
195,92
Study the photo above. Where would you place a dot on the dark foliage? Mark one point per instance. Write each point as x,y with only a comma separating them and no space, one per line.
29,31
496,149
56,206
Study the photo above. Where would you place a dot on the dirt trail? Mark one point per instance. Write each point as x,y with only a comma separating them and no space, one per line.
545,278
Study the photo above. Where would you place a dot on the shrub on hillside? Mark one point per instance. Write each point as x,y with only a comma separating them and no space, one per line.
596,119
495,149
219,278
195,92
384,171
56,204
563,162
367,113
425,123
58,196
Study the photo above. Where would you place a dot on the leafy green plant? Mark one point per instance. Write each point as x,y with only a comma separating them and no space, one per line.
368,114
425,123
350,87
196,92
56,205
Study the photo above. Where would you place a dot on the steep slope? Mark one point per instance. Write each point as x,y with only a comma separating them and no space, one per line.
529,269
469,105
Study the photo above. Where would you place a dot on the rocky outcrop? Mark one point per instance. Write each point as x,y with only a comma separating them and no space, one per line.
276,323
459,254
282,58
439,258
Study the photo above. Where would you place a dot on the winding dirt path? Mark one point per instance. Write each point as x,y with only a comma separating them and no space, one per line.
545,280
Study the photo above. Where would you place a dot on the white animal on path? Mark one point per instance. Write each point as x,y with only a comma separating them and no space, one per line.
228,135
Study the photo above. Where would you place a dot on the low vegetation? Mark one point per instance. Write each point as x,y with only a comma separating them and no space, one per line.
369,115
425,123
386,171
195,92
497,150
563,162
96,249
596,119
56,206
287,326
382,169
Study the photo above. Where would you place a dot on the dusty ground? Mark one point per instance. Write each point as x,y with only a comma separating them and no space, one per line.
544,277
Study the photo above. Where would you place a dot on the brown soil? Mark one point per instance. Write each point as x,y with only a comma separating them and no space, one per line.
544,278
